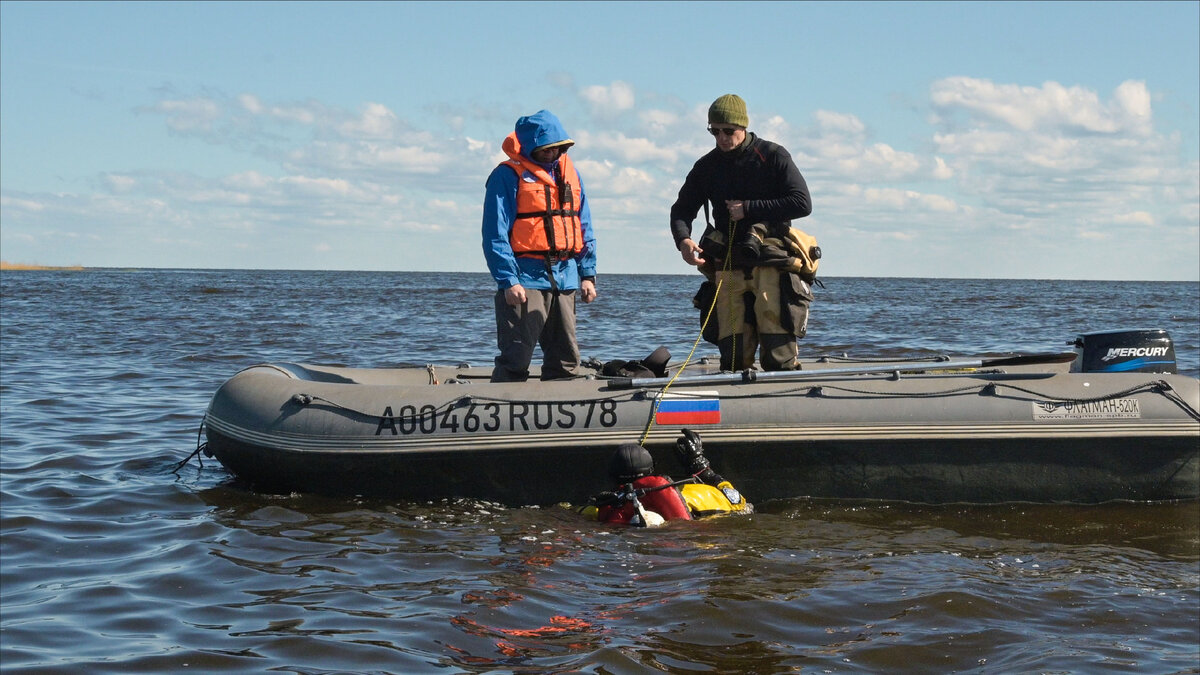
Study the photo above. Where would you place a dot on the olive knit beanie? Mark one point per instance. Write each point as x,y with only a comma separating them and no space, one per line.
729,109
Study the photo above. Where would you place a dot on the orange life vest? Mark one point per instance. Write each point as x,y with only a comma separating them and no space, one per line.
547,220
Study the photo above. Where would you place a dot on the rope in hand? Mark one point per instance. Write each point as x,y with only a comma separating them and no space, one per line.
708,314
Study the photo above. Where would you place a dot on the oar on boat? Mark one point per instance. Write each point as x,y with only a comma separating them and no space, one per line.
785,375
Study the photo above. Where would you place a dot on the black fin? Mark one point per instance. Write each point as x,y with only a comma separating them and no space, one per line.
657,361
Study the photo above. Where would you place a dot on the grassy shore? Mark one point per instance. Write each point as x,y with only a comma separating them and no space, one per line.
5,265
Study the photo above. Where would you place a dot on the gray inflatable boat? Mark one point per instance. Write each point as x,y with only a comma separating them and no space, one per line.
1109,421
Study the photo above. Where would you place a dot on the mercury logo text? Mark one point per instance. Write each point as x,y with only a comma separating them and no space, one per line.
1124,352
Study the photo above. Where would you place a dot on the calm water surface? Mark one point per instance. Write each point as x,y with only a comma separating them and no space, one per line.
109,562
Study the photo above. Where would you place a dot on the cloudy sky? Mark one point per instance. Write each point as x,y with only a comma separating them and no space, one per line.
1023,140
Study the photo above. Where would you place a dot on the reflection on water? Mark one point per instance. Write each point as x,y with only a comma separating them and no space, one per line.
841,584
111,563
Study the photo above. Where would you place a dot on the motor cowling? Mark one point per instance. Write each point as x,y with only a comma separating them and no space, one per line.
1124,351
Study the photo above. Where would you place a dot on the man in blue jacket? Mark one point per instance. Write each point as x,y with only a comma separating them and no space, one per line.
540,248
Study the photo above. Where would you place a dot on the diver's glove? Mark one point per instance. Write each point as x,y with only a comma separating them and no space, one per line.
690,451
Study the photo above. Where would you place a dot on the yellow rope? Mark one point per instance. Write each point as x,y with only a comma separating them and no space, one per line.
707,317
733,324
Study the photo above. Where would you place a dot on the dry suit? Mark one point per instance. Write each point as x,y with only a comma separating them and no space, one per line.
758,304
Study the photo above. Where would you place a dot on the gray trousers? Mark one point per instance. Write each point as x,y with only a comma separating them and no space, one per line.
547,318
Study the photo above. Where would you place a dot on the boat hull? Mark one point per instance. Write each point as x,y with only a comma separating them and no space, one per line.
928,436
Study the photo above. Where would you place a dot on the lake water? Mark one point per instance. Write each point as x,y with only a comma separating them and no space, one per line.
110,562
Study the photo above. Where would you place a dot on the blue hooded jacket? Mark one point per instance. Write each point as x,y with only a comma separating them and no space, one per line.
500,209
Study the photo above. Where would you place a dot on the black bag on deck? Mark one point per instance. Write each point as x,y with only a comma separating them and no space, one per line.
654,365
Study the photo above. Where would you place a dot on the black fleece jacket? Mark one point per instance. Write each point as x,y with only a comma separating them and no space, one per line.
758,172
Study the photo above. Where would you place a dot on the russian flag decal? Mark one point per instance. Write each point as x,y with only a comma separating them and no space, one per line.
699,407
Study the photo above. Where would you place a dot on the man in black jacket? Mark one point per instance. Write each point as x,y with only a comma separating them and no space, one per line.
755,190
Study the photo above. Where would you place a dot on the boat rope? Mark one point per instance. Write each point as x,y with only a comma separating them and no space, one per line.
818,390
726,268
200,448
1161,387
1169,392
688,359
430,410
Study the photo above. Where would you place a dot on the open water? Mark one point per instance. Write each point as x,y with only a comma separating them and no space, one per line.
110,562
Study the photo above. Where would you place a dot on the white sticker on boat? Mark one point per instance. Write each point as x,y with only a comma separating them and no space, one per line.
1108,409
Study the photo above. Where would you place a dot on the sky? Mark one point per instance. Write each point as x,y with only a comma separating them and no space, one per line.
944,139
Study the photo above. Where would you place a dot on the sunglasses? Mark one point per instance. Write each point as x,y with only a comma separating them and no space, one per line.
728,131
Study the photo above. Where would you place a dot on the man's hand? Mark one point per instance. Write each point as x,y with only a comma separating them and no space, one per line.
691,251
515,295
587,290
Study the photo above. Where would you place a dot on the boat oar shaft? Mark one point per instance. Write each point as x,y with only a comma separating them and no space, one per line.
747,376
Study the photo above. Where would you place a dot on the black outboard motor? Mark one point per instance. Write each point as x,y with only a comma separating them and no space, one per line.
1124,351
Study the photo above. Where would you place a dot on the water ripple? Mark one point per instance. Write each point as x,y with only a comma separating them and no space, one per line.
113,563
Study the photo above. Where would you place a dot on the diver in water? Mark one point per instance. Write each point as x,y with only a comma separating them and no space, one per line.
645,499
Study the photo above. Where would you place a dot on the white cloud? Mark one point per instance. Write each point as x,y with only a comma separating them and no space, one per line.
774,126
614,99
857,161
890,161
300,114
658,121
337,157
844,124
190,115
629,150
120,183
251,104
1132,100
604,179
940,170
409,157
376,121
248,180
1057,160
908,200
22,204
1061,159
220,197
1135,218
1072,109
322,187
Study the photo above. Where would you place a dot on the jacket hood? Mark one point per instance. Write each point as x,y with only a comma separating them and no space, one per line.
538,129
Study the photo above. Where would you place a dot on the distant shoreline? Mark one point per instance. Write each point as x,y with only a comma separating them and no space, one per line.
22,267
5,265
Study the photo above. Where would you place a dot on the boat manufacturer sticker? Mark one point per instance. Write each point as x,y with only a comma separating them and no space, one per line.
1108,409
696,407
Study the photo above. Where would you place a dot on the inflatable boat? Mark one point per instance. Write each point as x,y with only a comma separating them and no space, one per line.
1110,420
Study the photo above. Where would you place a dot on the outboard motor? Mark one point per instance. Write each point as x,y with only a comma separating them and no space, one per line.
1124,351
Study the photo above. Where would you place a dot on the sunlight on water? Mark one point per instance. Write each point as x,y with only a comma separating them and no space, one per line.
112,563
